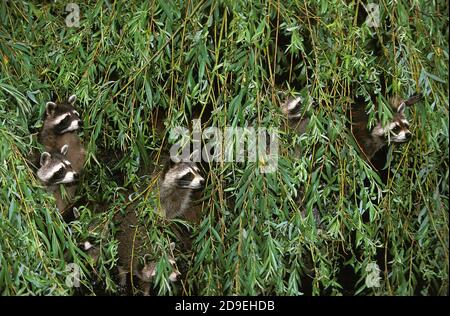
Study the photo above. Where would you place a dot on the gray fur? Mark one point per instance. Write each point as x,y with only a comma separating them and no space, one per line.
176,196
53,139
51,163
293,109
64,140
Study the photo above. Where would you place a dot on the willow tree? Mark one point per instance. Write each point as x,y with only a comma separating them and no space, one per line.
320,224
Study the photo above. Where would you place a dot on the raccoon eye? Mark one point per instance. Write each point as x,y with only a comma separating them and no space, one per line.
397,129
65,121
187,177
59,173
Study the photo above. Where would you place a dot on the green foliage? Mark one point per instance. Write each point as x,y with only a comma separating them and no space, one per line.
226,60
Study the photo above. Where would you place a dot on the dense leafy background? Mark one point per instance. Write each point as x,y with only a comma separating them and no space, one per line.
226,60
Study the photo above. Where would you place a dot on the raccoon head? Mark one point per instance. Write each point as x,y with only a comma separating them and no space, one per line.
148,270
292,107
62,117
184,175
91,250
398,128
55,168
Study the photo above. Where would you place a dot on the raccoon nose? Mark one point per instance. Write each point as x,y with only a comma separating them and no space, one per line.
76,176
408,135
202,182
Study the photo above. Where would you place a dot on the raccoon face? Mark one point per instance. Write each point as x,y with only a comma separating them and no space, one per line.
292,107
398,129
63,117
185,175
55,168
148,270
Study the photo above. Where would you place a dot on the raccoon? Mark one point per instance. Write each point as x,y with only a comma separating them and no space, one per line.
135,254
397,131
91,250
179,186
55,168
292,108
61,124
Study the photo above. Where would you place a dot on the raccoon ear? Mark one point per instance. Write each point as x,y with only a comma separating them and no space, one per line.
72,99
64,149
401,108
50,107
45,157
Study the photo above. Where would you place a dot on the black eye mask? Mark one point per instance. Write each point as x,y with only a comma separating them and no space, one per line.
397,129
58,175
186,180
65,123
296,111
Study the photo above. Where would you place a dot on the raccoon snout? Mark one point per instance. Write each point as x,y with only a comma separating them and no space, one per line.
202,182
174,276
76,176
408,135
